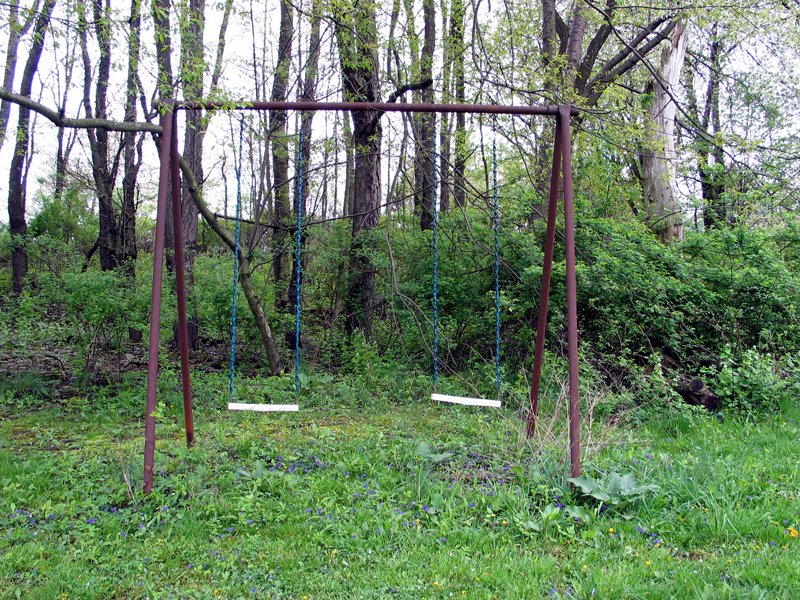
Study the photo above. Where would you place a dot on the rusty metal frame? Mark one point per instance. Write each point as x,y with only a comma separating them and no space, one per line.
169,180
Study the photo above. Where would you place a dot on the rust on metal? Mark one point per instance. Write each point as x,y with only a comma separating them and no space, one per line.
407,107
547,270
155,305
180,285
572,299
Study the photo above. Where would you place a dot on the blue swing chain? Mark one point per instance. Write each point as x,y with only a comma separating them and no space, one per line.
298,263
435,270
496,227
236,261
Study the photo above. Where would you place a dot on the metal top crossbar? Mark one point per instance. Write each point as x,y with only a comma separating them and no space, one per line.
307,105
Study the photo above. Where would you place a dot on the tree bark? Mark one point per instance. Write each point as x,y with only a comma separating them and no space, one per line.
457,15
357,38
192,71
104,171
658,160
132,150
280,154
165,90
15,33
301,199
425,126
16,190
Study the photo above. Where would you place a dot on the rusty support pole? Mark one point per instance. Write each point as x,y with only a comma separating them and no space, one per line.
180,284
155,304
547,270
572,300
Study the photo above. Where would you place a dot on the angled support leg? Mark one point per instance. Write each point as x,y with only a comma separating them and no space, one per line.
155,304
547,270
180,284
572,300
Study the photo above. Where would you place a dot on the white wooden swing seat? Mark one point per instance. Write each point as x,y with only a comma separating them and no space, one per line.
263,407
466,401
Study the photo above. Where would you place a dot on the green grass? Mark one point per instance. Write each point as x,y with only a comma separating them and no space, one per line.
359,497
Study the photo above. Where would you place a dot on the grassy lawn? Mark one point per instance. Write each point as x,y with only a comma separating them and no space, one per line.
364,498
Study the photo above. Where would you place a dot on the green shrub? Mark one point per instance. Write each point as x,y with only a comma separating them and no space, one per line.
749,382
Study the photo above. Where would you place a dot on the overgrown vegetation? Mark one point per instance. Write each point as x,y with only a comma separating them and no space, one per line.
404,500
685,172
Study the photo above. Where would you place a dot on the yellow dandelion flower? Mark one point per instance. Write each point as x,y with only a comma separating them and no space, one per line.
792,532
504,522
435,584
610,530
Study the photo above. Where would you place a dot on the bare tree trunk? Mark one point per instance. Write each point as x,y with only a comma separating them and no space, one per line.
192,70
16,188
457,12
64,146
658,161
15,33
280,154
309,94
104,172
132,151
349,173
165,90
426,125
356,35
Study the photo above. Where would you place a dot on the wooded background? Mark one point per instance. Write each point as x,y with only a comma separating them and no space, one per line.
686,145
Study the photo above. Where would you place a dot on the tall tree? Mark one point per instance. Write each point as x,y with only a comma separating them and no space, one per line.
425,128
309,94
658,158
708,135
132,146
192,75
458,49
357,39
104,162
16,189
15,32
280,152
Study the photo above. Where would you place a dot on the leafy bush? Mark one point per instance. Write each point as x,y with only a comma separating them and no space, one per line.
749,382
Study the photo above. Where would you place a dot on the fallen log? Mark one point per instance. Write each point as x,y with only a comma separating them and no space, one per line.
696,393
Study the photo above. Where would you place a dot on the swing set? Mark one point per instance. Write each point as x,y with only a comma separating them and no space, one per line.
169,182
